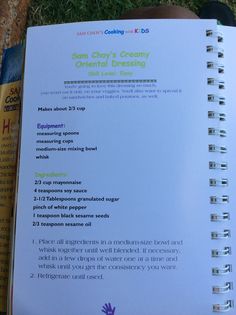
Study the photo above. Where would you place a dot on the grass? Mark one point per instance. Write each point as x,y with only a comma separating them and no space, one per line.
62,11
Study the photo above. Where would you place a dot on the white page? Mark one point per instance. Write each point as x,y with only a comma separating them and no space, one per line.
150,153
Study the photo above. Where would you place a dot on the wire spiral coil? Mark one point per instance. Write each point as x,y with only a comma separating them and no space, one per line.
219,199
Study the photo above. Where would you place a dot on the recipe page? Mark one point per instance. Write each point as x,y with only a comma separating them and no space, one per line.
112,208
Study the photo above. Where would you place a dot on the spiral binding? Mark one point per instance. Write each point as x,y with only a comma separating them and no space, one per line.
218,116
225,270
224,288
221,308
216,98
216,148
223,182
218,166
226,251
215,49
217,132
215,217
214,65
219,83
220,235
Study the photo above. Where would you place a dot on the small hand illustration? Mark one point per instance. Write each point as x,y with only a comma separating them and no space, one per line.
108,310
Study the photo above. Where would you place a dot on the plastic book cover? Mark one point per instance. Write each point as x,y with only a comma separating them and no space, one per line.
10,91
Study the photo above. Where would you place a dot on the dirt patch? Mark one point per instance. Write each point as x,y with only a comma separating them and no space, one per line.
13,15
